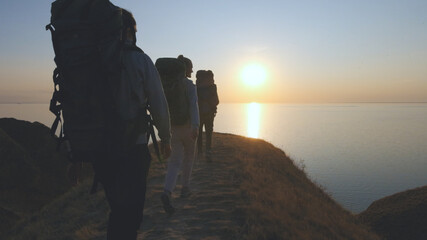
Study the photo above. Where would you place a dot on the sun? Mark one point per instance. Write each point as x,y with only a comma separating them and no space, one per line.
253,75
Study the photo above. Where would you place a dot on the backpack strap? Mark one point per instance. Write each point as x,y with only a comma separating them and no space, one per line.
56,108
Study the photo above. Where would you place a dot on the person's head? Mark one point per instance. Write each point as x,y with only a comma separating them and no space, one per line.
188,65
129,26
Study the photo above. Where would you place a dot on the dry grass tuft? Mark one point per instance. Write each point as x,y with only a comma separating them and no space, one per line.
74,215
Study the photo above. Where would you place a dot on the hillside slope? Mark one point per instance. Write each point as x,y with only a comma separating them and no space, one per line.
37,149
399,216
32,172
248,190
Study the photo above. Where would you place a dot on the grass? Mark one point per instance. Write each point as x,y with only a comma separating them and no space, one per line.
281,201
74,215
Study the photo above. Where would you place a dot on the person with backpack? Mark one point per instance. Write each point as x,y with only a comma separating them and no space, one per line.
126,191
182,99
208,102
105,84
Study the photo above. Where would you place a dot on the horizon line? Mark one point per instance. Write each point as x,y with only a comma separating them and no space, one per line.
239,102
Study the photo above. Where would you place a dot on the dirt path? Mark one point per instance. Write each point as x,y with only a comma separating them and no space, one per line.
211,212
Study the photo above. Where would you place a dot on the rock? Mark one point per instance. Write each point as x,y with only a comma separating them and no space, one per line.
7,219
32,172
399,216
19,176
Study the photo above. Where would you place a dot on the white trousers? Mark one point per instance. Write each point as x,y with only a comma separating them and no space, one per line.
182,157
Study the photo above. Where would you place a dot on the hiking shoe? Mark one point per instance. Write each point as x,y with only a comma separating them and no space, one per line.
166,200
185,192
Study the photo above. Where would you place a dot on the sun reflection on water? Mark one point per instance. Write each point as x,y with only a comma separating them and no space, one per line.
254,115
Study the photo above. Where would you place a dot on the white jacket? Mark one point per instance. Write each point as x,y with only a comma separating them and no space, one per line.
141,85
193,103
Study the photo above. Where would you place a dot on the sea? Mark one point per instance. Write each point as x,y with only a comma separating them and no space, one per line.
358,152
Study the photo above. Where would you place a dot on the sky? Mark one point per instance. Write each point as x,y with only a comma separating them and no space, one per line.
313,51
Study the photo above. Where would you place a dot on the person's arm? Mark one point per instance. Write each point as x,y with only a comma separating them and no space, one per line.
156,98
194,108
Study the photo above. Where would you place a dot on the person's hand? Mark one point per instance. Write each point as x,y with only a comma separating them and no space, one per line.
165,149
194,133
74,173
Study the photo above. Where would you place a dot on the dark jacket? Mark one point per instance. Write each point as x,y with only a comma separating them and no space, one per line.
208,99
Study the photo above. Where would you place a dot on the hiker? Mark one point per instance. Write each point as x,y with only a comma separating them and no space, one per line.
123,166
182,98
208,102
126,193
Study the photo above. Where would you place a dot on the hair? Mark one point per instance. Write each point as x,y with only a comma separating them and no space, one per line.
129,23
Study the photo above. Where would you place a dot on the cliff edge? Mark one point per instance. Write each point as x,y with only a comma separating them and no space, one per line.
247,189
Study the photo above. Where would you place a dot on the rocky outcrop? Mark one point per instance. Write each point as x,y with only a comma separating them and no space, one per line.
18,175
32,172
7,219
399,216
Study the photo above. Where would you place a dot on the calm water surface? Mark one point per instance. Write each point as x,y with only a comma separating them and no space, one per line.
358,152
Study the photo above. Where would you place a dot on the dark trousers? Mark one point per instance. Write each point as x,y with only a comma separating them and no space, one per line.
124,178
207,121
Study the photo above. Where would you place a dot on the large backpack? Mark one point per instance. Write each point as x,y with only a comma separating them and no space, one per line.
172,74
87,40
207,99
